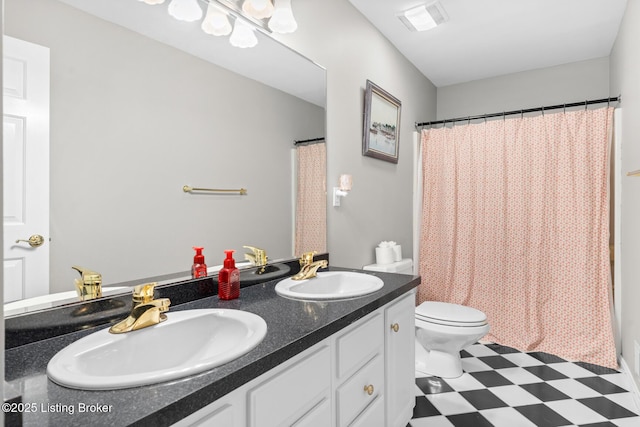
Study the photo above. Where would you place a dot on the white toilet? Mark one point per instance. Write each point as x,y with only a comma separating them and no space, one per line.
442,330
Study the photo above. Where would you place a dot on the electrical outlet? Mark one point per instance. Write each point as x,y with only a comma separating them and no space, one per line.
636,358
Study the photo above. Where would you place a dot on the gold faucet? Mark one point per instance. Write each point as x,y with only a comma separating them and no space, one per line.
145,312
258,257
89,286
309,267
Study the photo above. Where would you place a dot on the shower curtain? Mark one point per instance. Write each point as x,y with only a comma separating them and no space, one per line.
311,199
515,222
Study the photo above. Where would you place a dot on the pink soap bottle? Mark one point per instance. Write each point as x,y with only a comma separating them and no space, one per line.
199,268
229,278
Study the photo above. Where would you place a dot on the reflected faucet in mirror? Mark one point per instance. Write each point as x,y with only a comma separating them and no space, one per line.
89,286
258,257
309,267
146,311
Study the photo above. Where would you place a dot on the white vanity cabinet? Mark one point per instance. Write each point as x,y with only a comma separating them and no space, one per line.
362,376
400,360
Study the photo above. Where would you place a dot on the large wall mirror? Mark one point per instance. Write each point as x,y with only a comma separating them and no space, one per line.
139,106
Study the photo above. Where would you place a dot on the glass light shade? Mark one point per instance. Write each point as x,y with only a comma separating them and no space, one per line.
258,9
282,20
216,22
185,10
346,181
243,35
152,2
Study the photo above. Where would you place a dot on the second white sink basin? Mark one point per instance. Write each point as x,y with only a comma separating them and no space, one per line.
330,285
187,343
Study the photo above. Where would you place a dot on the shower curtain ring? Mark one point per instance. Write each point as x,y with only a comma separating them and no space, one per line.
585,105
542,111
564,108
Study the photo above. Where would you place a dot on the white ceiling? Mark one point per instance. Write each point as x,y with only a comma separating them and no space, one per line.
488,38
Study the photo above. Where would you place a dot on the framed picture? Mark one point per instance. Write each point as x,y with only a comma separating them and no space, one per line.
381,124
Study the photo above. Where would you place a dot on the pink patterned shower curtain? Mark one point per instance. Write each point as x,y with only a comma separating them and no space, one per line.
515,222
311,199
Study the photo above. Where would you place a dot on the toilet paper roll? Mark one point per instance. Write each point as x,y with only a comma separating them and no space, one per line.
397,253
385,256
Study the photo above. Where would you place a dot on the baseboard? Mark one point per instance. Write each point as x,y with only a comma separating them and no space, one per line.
634,387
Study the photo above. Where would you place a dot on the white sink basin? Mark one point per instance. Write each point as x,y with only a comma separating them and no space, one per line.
187,343
330,285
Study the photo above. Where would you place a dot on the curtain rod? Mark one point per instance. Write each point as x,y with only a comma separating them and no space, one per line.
528,110
308,141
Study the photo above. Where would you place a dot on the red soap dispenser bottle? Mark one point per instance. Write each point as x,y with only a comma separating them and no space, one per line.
199,268
229,278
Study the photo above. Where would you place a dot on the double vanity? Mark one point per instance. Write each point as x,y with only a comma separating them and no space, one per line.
315,352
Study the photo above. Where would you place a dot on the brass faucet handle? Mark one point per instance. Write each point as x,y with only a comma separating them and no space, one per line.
307,258
143,293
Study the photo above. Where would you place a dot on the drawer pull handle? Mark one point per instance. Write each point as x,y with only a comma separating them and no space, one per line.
369,389
395,327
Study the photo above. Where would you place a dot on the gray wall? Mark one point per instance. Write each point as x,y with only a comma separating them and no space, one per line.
572,82
379,207
625,69
125,141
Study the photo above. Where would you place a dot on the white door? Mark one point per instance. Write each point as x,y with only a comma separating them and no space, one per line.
25,169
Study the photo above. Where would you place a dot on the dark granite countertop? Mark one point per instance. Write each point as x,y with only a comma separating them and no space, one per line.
293,326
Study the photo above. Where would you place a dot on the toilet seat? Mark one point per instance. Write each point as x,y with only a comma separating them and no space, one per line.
447,314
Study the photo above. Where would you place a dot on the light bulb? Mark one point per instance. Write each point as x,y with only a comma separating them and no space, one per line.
185,10
216,22
243,35
282,20
152,2
258,9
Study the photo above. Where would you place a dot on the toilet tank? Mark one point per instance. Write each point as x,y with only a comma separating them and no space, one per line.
404,266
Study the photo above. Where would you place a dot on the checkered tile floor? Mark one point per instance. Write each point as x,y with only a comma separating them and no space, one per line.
503,387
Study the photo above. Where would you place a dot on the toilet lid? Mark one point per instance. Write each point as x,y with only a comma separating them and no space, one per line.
450,314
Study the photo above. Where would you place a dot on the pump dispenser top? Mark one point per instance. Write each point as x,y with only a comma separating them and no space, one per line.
229,262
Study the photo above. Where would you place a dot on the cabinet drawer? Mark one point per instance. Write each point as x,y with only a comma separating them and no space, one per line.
356,346
372,416
320,416
353,397
289,395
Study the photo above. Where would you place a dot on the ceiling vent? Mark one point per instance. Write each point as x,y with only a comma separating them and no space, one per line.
424,17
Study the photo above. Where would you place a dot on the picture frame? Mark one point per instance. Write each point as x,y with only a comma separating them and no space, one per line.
381,131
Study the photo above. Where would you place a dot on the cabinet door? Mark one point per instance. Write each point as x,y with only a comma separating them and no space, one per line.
285,397
400,361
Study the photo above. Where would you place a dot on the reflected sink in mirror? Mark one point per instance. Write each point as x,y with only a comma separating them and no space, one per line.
263,274
199,340
330,285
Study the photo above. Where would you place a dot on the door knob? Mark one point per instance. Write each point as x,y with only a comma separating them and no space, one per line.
395,327
33,241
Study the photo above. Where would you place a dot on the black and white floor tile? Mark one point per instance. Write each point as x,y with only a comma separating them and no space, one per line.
503,387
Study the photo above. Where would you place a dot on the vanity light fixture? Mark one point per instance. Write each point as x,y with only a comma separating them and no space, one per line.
248,16
243,35
282,21
185,10
258,9
216,22
346,181
424,17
